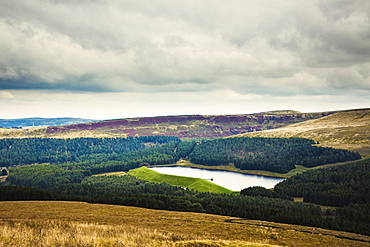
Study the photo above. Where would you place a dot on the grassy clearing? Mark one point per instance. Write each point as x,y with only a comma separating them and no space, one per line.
41,223
300,169
111,174
186,182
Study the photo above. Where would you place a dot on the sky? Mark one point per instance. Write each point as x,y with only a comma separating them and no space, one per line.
103,59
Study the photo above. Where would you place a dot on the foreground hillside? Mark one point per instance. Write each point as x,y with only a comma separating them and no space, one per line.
192,126
345,129
35,223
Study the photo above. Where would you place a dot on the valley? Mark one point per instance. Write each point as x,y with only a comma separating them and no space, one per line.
185,123
105,163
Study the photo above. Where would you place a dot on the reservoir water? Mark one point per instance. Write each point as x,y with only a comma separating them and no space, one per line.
230,180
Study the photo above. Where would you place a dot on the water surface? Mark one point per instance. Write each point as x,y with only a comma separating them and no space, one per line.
230,180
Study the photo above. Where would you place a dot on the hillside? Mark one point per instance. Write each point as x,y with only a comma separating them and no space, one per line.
191,126
343,129
29,223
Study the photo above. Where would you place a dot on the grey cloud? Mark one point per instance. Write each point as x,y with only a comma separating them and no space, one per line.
81,84
336,36
269,47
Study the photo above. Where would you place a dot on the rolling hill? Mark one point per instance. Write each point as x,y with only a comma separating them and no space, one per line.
185,127
348,129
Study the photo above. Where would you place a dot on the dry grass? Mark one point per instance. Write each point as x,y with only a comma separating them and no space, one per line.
61,233
3,178
41,223
37,233
111,174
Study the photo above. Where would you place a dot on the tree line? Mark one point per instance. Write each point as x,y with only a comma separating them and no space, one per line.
108,154
15,151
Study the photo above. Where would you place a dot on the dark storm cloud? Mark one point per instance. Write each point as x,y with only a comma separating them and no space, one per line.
251,47
80,84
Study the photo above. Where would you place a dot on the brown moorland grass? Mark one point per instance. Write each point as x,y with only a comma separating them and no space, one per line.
48,223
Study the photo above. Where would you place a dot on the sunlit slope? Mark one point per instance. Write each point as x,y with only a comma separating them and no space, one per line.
33,223
197,184
345,129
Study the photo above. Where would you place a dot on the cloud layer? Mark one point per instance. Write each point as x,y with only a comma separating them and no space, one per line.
268,48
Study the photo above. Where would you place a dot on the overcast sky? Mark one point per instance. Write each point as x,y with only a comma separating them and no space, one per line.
116,59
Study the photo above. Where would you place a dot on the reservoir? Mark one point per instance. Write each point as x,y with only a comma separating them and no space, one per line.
230,180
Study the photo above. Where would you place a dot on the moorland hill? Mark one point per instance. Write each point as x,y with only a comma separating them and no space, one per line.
348,129
187,126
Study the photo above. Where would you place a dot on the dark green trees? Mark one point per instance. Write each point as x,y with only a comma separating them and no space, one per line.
259,191
4,172
332,186
109,154
49,150
269,154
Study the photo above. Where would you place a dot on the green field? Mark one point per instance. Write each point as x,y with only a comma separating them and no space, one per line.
197,184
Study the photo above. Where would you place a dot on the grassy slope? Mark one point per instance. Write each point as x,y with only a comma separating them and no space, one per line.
187,182
346,129
41,223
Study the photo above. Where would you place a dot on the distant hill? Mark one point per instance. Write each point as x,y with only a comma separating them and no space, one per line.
188,127
27,122
348,129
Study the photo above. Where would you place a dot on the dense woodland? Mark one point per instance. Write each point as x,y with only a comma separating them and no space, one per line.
269,154
74,181
333,186
109,154
23,151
